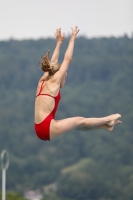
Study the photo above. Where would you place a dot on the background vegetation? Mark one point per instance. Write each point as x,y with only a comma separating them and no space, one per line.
95,165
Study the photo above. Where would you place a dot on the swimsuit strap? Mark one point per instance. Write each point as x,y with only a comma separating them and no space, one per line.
44,94
40,89
47,95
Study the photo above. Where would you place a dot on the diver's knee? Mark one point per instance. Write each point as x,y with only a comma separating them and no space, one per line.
80,120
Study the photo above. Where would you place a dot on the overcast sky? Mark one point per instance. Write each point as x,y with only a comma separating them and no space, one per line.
24,19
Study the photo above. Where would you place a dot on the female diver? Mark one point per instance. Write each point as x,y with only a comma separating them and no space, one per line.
48,96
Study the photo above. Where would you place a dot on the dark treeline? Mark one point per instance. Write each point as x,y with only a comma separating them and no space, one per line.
95,165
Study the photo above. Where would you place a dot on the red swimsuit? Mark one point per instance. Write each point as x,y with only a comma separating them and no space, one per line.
43,129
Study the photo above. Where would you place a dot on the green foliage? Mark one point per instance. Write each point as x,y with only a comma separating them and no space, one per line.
12,196
91,179
86,165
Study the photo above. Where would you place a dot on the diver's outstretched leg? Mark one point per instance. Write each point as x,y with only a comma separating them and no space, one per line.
95,122
105,126
57,128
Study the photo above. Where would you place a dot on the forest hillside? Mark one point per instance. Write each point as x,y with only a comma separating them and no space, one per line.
95,165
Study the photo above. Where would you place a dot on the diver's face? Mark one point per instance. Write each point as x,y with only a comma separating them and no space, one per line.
63,80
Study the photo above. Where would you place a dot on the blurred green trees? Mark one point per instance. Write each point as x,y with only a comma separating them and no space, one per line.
12,196
93,165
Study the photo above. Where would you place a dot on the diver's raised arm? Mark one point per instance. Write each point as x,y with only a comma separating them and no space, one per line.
59,37
69,52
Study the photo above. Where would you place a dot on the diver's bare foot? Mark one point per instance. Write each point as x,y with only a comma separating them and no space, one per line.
110,128
112,119
118,122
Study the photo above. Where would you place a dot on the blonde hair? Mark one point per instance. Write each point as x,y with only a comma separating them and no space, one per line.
47,67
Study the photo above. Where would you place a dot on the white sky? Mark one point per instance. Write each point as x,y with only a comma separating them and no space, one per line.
24,19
